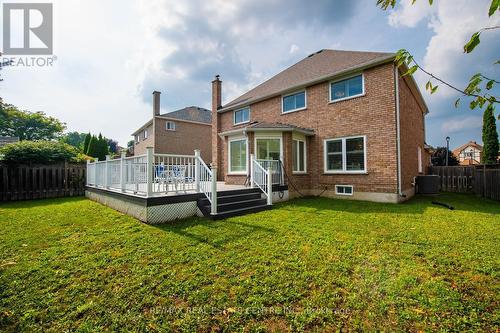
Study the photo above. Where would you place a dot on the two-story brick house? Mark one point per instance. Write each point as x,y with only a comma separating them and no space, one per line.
343,124
177,132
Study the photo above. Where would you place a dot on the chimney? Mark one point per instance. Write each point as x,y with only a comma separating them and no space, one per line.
216,140
156,103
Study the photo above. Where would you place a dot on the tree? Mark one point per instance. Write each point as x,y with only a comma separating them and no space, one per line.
27,152
438,158
480,85
29,125
75,139
86,143
490,138
113,146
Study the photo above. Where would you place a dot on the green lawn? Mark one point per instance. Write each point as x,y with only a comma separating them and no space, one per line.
309,264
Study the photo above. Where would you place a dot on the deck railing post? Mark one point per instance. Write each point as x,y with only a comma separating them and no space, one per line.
214,191
149,171
106,171
197,170
122,171
95,172
251,171
269,187
87,174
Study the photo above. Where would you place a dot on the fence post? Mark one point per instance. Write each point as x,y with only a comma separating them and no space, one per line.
122,171
269,187
251,171
149,170
106,172
214,190
197,170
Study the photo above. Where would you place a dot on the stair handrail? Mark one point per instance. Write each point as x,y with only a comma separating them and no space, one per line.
263,179
206,182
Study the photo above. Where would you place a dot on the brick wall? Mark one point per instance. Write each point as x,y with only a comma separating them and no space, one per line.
187,137
412,120
372,115
140,147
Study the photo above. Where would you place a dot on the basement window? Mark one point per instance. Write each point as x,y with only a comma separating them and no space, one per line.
170,126
343,189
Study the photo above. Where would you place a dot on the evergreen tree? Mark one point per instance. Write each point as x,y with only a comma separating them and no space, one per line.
86,143
102,148
490,137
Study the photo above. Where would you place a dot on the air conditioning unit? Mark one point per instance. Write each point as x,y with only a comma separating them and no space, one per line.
428,184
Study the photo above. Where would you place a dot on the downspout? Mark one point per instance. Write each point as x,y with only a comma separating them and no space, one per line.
398,130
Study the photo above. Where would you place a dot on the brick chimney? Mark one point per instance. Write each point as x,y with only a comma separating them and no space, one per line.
216,140
156,103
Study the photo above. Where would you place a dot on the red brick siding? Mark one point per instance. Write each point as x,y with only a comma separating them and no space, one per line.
140,147
184,140
412,134
372,115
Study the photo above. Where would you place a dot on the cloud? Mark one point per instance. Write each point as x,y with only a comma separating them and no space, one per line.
408,15
233,39
461,123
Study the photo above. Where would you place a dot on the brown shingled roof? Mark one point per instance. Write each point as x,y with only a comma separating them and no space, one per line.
316,67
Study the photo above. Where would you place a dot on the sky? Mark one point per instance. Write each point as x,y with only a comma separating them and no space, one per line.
111,55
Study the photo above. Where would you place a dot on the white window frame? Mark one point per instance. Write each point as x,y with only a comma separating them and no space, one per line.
229,172
172,123
291,94
241,122
269,137
344,79
297,160
344,156
137,138
145,134
338,193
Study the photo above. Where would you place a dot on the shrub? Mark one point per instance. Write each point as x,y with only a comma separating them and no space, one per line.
43,152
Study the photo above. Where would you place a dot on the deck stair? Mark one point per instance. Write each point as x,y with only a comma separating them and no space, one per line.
235,202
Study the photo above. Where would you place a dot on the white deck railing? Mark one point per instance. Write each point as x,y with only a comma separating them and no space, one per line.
262,178
155,174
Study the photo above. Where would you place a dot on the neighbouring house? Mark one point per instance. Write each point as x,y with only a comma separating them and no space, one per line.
4,140
343,124
469,153
176,132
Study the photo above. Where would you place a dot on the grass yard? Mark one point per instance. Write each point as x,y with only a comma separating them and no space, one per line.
310,264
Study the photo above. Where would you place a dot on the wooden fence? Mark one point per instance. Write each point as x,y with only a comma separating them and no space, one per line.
21,182
479,179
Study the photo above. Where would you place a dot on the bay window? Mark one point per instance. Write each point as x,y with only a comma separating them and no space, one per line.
238,156
299,156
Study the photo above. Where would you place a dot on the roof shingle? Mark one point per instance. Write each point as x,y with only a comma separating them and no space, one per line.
191,113
321,64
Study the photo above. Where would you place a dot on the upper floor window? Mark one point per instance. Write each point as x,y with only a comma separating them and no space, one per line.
345,155
170,126
137,138
242,116
347,88
294,102
145,134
